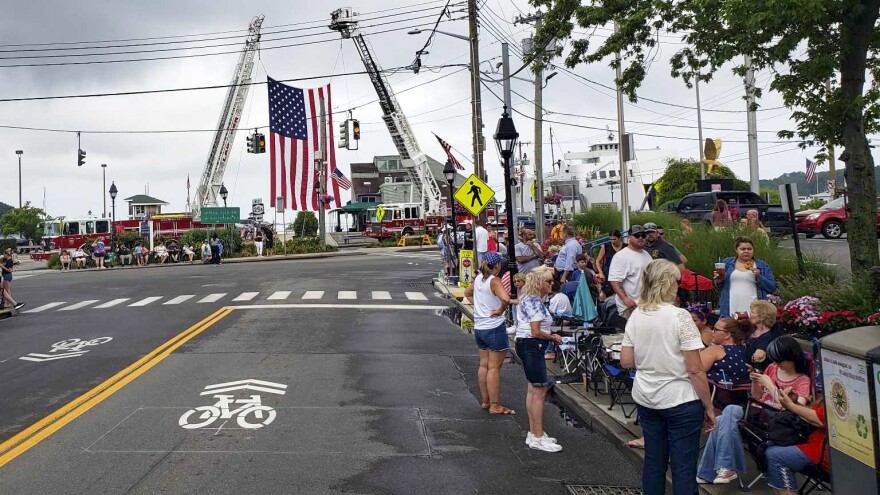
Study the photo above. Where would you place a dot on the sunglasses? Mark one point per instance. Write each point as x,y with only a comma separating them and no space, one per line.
639,235
716,329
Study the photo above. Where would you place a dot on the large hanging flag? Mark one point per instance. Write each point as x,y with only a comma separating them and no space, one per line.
448,149
294,138
811,170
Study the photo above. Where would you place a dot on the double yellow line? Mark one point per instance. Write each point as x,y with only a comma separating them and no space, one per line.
35,433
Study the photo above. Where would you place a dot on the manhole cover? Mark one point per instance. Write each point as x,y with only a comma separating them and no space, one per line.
602,490
422,285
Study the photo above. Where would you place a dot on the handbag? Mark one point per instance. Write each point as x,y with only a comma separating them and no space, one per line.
787,428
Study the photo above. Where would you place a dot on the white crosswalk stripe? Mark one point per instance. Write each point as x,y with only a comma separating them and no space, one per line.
145,301
110,304
347,294
313,294
45,307
212,298
246,296
79,305
280,295
416,296
381,295
179,299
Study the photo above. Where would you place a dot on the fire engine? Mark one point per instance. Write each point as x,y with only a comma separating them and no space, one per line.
406,219
71,233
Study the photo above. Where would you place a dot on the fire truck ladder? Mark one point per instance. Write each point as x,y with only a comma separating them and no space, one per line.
414,160
212,177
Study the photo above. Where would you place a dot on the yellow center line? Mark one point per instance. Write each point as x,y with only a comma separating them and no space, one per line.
32,435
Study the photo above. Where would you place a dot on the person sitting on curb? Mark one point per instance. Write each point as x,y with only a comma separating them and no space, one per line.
139,254
189,253
80,258
161,253
173,250
65,259
124,254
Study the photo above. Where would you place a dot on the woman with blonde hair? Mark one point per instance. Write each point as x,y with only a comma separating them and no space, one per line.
490,300
763,316
670,388
533,321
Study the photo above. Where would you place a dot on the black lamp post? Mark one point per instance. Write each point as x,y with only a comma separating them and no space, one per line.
505,139
113,192
223,193
449,173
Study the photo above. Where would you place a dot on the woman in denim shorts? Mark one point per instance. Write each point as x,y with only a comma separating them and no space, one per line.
490,300
533,322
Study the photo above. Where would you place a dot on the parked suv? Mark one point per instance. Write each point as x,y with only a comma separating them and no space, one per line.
829,220
697,207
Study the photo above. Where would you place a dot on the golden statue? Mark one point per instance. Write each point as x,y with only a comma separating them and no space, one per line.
711,152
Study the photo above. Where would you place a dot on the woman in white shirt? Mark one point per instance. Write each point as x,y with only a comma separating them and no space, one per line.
671,389
490,300
533,322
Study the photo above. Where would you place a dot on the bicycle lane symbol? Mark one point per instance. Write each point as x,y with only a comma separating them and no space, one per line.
250,413
66,349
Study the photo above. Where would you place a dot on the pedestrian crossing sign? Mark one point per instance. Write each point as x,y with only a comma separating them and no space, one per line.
474,195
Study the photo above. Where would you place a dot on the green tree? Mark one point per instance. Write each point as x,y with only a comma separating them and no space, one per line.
681,177
771,195
26,221
305,224
804,43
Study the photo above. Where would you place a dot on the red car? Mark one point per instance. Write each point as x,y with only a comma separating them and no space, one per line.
829,220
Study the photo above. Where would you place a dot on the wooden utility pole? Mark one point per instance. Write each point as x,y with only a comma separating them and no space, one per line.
322,187
476,105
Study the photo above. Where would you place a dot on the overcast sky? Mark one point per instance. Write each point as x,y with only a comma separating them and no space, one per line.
161,162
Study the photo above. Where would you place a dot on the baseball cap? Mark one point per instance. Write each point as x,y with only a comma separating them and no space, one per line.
650,226
636,229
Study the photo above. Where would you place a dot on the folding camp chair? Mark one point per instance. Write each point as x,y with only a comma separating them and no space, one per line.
817,478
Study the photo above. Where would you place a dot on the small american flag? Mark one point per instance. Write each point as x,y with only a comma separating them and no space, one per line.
811,170
519,171
448,149
505,282
341,179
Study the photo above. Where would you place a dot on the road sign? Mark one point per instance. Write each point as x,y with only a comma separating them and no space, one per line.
474,194
466,270
145,228
221,215
534,184
258,207
831,185
380,213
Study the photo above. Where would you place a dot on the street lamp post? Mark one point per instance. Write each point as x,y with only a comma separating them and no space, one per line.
449,173
113,192
224,193
104,173
19,153
505,139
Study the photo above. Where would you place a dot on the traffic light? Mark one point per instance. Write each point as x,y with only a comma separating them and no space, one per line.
356,129
343,134
251,144
261,142
80,158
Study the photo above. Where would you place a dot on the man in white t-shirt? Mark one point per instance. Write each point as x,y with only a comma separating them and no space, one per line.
481,242
625,273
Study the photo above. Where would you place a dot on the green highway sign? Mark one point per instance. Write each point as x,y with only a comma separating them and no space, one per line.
221,215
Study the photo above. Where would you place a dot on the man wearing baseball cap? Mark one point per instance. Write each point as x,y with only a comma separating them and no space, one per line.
658,248
625,273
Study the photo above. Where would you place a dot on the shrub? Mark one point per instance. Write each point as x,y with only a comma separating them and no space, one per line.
248,250
305,224
302,245
194,237
128,238
8,244
813,204
55,262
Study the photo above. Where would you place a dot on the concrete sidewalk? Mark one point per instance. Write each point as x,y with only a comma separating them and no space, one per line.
592,410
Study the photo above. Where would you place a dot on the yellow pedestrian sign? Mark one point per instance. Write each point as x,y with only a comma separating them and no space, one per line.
380,213
474,194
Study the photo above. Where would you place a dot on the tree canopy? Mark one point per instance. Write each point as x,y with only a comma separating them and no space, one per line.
26,221
681,177
804,43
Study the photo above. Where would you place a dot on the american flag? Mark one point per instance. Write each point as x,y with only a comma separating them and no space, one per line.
341,179
448,149
294,139
505,282
811,170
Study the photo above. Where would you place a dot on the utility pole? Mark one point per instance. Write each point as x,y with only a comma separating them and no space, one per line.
621,131
19,153
752,127
699,130
322,229
832,171
104,191
476,105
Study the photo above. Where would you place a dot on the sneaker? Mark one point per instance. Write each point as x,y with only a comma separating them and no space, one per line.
701,481
531,438
725,476
544,444
20,305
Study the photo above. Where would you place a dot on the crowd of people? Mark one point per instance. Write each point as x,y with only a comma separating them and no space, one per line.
698,367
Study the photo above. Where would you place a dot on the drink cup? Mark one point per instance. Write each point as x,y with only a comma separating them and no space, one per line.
721,269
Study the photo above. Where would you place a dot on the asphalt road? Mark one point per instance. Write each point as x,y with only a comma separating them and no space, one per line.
325,376
835,252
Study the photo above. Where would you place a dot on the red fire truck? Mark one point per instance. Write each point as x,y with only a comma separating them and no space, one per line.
70,233
406,219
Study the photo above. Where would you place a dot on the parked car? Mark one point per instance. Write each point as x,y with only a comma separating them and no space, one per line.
697,207
829,220
525,221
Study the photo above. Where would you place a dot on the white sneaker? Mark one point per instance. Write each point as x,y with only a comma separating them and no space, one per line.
531,438
544,444
725,476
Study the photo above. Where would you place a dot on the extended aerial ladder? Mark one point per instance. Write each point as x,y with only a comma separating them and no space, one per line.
414,160
224,136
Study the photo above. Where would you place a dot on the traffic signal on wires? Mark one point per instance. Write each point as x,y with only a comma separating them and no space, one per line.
251,144
356,129
343,134
80,158
261,142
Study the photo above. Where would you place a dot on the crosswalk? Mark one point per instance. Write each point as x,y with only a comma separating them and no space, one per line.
222,297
